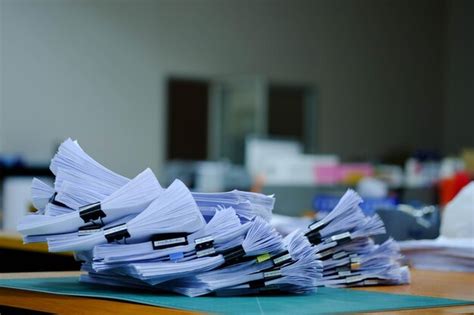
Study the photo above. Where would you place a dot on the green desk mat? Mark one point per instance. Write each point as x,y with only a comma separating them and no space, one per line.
325,301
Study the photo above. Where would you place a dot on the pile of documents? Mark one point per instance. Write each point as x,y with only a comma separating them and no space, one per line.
135,233
443,253
453,250
343,244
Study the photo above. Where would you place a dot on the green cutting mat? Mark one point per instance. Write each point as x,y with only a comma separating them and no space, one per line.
323,302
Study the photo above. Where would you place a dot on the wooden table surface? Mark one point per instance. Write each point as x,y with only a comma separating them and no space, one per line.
454,285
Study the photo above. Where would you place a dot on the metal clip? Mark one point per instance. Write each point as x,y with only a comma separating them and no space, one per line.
116,233
92,212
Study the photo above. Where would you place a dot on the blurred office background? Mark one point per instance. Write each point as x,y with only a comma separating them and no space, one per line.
298,98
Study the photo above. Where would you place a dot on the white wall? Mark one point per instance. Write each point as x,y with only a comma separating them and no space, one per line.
95,70
459,97
88,70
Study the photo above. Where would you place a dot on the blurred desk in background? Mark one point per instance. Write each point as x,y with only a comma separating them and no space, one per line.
31,257
15,192
295,199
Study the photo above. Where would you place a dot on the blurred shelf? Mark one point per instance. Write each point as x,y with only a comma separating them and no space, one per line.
14,241
38,171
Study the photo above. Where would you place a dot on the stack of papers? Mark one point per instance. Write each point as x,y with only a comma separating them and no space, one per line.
445,254
454,249
348,254
135,233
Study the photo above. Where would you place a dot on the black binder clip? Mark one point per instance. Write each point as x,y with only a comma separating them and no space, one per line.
89,229
329,272
324,255
262,285
317,225
92,212
314,237
281,258
340,254
53,201
341,239
166,240
233,255
117,233
204,246
272,274
353,264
